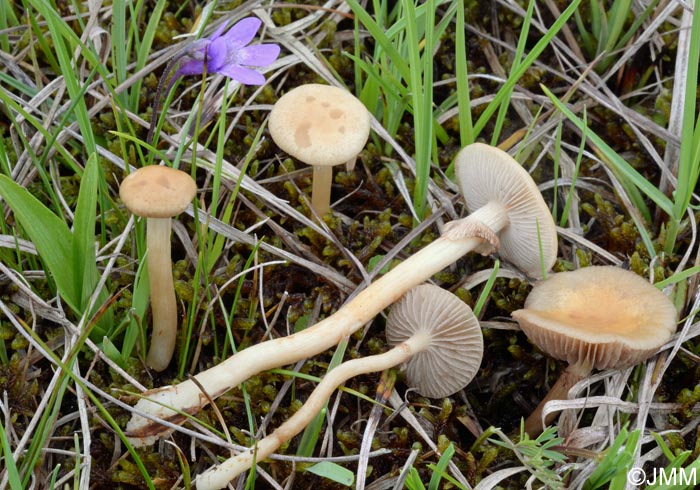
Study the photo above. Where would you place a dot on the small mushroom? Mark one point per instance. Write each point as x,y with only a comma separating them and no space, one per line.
158,193
522,208
599,317
322,126
434,334
456,346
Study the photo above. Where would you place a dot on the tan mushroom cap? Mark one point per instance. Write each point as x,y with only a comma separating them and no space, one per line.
319,124
485,174
155,191
602,317
456,347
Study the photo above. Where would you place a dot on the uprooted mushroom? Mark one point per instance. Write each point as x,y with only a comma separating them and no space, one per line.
507,211
435,335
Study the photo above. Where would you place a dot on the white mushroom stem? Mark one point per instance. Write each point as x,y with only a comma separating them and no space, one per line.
163,303
220,475
188,397
321,189
534,424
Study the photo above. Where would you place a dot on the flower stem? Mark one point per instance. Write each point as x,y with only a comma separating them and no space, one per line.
159,94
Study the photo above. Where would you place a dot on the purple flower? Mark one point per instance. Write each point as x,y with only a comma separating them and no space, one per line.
229,54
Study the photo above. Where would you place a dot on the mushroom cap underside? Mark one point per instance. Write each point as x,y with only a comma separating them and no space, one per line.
155,191
320,124
485,174
601,316
456,347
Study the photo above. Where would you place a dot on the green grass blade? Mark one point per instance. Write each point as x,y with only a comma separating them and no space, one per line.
120,57
83,239
7,19
333,472
484,295
577,168
519,50
586,37
689,157
9,462
522,68
624,168
597,14
65,41
617,17
466,125
144,48
616,459
50,236
378,33
42,41
421,90
444,460
83,245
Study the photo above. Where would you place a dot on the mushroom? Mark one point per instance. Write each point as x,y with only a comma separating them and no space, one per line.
599,317
433,332
322,126
158,193
522,208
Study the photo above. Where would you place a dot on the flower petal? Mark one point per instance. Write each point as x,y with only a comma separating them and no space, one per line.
244,75
242,32
258,54
218,31
216,55
192,67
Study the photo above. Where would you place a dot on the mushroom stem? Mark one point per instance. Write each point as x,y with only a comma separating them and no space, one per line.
187,396
574,373
219,476
321,189
163,303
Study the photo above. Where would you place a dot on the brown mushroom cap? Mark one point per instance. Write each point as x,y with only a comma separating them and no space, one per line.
602,317
485,174
453,357
155,191
319,124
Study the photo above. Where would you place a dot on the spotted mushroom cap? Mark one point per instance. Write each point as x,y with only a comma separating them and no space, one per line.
155,191
319,124
601,317
453,357
486,173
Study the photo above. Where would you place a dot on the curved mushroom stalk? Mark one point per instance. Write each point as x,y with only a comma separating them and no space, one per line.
220,475
441,344
520,207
